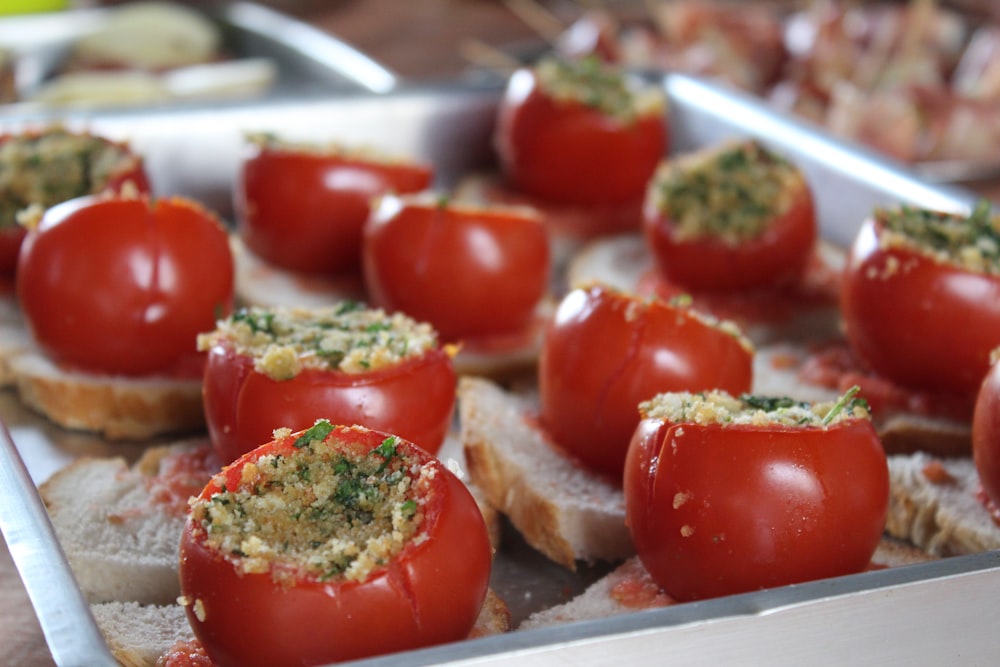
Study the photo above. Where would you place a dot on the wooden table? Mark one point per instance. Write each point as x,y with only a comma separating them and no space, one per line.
416,39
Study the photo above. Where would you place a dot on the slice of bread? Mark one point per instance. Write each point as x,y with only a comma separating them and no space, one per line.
138,635
562,510
934,504
629,588
120,525
117,407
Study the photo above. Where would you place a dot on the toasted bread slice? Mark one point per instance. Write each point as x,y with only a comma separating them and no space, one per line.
117,407
934,504
120,526
562,510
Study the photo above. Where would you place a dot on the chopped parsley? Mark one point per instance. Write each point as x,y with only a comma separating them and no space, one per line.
732,192
971,241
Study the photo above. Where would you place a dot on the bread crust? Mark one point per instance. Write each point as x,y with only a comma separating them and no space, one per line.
118,408
562,510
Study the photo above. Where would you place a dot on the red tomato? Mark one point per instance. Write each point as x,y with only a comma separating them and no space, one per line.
920,321
47,164
986,438
469,271
413,398
722,509
303,209
427,593
720,256
123,285
568,149
605,352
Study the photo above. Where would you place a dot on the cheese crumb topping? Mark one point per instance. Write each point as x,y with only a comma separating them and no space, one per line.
348,337
719,407
327,510
971,242
731,192
599,86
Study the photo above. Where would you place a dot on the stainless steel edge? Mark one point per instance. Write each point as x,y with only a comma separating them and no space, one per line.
62,611
313,44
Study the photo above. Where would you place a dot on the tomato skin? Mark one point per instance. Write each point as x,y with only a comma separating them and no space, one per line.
468,271
123,285
414,399
777,256
570,153
605,352
719,510
986,434
902,311
430,593
305,211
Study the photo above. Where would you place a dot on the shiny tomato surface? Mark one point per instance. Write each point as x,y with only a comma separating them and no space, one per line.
429,593
413,399
775,257
124,285
921,322
469,271
304,210
709,262
986,438
717,510
569,152
605,352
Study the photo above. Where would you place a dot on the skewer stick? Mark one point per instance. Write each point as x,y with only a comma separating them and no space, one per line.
482,55
545,23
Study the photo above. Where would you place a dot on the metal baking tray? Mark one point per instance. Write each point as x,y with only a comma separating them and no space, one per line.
939,612
301,58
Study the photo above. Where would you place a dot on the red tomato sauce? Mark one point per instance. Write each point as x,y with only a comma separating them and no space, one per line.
185,654
837,367
181,476
637,590
819,287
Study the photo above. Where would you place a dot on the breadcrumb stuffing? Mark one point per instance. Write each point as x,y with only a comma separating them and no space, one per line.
326,510
971,241
348,337
730,192
600,86
719,407
39,170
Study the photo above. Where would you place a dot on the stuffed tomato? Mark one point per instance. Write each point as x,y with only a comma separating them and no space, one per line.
331,544
269,368
471,271
123,285
606,351
40,169
732,217
302,207
921,297
580,132
726,495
